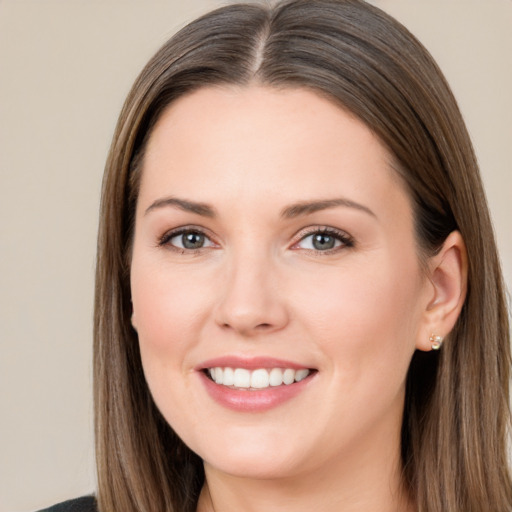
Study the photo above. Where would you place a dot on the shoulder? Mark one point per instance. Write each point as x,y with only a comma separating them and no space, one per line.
83,504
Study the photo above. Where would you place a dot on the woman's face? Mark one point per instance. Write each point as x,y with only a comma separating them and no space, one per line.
274,243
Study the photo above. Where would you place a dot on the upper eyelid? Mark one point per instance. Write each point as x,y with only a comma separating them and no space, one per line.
311,230
171,233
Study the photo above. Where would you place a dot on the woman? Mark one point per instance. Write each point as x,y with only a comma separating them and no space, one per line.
299,303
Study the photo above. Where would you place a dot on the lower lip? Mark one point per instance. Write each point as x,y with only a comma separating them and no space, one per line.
260,400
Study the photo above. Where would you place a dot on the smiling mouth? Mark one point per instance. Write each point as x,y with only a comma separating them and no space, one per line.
261,378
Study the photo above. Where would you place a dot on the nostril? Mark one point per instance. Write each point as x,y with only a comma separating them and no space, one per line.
259,327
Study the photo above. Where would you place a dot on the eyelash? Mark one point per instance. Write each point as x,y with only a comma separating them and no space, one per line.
169,235
346,241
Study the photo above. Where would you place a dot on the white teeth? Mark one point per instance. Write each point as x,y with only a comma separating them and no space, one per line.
229,377
242,378
259,379
288,376
299,375
218,376
276,377
256,379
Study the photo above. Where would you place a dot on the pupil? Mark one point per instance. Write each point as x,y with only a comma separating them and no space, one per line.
193,240
323,242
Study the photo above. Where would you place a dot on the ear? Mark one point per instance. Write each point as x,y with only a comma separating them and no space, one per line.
447,276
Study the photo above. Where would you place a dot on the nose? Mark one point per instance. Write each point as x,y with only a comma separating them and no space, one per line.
251,300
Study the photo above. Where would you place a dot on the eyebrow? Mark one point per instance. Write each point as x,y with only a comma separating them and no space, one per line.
202,209
290,212
309,207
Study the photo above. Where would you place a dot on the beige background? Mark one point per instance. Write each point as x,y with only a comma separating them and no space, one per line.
65,67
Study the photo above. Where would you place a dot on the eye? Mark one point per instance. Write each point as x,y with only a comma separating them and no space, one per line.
187,239
324,240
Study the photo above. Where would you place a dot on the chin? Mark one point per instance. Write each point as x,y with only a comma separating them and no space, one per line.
256,468
256,455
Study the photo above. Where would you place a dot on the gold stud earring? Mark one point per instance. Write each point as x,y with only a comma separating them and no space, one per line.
437,341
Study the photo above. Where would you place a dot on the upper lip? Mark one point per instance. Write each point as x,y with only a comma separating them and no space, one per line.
249,363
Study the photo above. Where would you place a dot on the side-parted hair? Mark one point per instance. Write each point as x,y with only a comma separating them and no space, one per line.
456,416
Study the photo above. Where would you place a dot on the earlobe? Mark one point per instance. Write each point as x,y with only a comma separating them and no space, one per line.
436,341
448,278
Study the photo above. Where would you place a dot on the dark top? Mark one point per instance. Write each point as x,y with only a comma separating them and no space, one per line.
83,504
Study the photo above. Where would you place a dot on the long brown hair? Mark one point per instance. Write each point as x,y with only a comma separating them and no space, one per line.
456,409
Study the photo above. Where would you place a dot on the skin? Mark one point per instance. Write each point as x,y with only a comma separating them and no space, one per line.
258,287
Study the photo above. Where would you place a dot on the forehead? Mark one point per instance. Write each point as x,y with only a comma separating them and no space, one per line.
216,117
255,141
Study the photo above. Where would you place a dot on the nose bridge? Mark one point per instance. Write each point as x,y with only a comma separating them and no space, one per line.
250,302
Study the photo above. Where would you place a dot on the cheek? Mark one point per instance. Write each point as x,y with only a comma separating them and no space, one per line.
363,314
168,306
168,309
365,321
